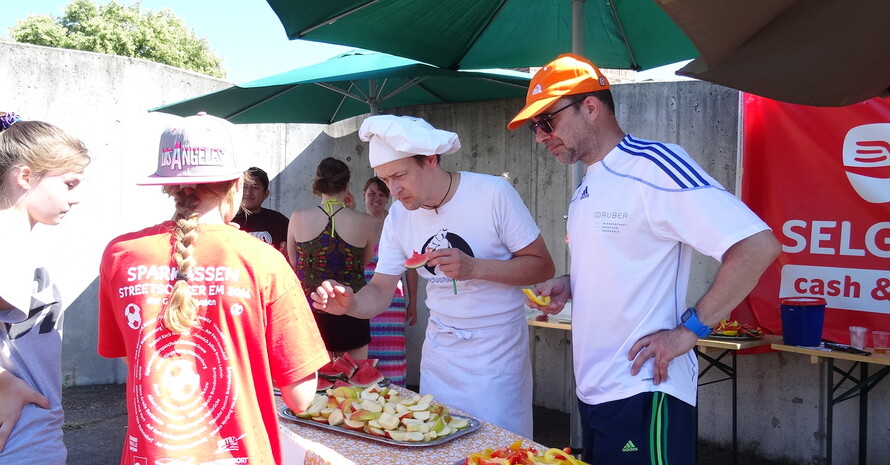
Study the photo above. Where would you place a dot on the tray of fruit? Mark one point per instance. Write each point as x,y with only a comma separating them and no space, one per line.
735,331
382,414
516,454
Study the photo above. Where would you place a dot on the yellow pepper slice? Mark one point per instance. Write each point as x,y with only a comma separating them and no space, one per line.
540,300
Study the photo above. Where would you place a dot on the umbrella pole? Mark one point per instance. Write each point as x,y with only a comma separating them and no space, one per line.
578,27
578,49
372,94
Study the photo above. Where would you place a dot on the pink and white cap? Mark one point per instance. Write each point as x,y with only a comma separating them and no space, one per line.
393,137
197,149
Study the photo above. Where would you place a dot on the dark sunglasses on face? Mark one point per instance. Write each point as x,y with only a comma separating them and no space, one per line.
544,121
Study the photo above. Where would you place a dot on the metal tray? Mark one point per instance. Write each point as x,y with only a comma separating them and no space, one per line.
285,412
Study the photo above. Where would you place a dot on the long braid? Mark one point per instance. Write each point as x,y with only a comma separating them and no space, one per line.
182,310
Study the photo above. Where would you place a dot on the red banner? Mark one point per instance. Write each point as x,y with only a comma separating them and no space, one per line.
820,177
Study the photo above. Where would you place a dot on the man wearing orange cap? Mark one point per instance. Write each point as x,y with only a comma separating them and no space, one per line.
635,218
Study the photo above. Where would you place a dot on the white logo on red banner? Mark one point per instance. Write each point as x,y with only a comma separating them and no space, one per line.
867,161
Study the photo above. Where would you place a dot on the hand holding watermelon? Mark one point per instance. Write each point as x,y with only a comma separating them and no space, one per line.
417,260
453,263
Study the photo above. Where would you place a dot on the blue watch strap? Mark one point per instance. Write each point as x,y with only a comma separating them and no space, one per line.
691,322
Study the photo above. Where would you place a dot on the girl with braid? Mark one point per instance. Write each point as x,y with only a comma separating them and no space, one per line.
208,318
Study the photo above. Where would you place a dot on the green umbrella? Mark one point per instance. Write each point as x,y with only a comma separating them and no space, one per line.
470,34
347,85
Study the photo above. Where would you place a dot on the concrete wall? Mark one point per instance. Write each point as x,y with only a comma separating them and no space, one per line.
103,100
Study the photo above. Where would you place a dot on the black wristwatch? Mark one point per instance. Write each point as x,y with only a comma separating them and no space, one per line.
690,321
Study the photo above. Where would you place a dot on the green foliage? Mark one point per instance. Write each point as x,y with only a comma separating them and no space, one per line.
118,29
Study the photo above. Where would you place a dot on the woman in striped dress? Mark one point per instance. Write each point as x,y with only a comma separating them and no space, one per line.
388,328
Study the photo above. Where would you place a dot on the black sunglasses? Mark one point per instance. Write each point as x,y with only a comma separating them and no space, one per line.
544,121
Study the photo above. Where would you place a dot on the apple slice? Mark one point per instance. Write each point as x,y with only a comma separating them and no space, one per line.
412,424
353,424
414,436
363,415
335,418
371,406
395,435
459,423
423,415
374,431
388,421
314,409
344,391
438,426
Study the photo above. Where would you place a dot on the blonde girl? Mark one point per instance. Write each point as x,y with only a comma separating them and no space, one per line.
40,169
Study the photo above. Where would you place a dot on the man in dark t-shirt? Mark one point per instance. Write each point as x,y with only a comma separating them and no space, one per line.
267,225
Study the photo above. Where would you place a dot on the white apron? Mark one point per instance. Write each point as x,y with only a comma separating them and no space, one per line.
484,372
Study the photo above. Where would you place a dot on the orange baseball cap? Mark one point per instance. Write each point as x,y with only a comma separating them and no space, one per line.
568,74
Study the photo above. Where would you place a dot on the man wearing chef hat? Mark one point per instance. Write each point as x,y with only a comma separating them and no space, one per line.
481,245
633,222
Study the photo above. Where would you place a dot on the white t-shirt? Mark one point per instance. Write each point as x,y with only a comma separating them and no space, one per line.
633,222
31,349
486,219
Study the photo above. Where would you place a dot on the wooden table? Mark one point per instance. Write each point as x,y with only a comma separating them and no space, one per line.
562,322
713,351
310,445
860,386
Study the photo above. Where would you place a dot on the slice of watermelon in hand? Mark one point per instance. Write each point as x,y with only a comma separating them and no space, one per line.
416,260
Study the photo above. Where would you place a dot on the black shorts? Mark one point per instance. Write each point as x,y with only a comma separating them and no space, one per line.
651,428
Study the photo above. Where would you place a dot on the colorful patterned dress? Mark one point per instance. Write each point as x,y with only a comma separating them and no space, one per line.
328,256
388,333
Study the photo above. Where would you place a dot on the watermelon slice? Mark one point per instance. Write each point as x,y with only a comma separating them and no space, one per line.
328,371
371,361
366,375
324,384
416,260
341,383
344,366
349,359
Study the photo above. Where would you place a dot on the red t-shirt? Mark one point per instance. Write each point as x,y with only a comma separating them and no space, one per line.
205,395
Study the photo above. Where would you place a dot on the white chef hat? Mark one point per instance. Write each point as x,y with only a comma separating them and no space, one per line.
393,137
